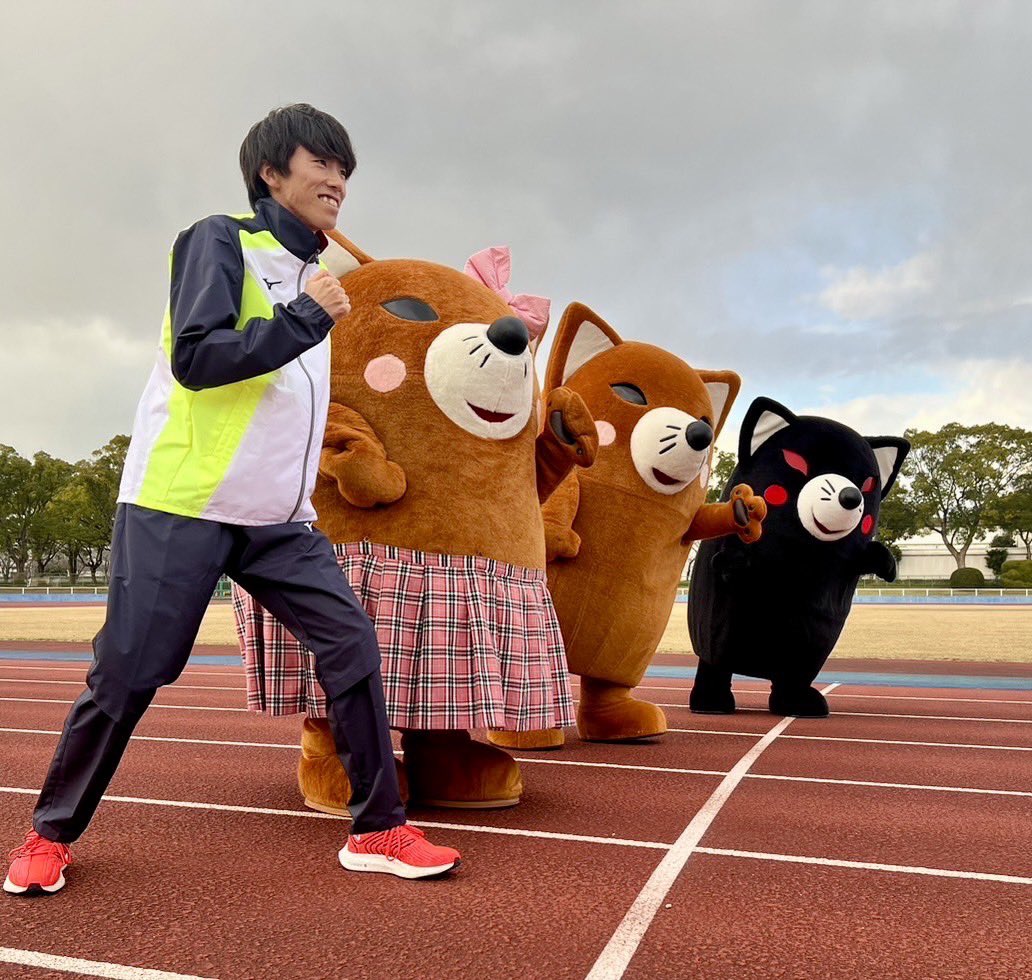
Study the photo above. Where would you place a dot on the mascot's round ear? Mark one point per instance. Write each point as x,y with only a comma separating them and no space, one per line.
581,336
764,417
890,452
341,256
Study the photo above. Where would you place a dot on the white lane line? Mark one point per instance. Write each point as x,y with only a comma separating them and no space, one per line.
89,968
177,707
613,961
177,685
666,770
159,738
312,815
908,786
867,866
865,741
549,835
925,697
884,714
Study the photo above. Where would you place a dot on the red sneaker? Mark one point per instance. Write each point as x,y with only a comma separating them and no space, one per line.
403,851
39,863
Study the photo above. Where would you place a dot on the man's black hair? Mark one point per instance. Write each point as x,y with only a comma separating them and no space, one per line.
274,139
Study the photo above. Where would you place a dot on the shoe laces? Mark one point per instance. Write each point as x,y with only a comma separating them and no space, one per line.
399,839
35,844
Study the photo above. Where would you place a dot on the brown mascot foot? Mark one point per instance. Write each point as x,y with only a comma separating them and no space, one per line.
321,777
449,769
608,713
535,741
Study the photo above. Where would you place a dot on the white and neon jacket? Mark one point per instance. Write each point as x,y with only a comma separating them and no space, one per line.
230,425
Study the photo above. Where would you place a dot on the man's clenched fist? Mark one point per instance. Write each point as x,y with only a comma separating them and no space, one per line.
327,291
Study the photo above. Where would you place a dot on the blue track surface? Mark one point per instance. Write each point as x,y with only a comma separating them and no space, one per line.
878,679
84,657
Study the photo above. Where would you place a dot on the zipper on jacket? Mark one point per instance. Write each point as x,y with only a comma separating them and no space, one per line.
314,257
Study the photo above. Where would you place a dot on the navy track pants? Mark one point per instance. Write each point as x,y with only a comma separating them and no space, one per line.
164,569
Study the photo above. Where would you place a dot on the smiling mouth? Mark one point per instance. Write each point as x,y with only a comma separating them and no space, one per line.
667,481
488,416
326,199
821,527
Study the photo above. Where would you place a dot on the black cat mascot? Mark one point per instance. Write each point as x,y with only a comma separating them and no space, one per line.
775,608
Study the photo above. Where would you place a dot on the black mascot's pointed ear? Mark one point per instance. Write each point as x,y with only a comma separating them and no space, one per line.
763,418
890,452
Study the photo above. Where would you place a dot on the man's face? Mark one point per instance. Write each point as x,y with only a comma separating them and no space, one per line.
313,189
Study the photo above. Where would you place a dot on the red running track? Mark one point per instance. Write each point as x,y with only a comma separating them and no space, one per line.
890,840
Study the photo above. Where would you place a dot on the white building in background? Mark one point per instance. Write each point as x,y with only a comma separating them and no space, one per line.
926,557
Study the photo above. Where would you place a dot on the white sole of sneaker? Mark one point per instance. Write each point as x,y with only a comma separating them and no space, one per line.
12,889
385,865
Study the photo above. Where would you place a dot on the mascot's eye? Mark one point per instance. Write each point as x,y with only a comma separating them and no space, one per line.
630,393
868,485
796,461
407,308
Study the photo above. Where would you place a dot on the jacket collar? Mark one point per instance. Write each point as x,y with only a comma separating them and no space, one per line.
289,230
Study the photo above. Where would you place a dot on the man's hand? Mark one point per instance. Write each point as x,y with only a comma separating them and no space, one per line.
326,290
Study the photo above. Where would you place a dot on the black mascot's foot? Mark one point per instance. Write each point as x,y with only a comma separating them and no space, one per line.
711,695
803,702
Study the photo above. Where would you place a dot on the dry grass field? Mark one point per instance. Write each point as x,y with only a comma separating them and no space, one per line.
986,633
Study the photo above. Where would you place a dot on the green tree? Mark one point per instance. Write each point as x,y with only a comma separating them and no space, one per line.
43,533
26,489
15,472
998,552
723,466
898,518
1013,513
87,508
957,475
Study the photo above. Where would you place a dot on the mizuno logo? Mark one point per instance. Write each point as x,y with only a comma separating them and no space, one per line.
275,282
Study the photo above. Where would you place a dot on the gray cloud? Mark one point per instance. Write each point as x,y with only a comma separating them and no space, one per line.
633,155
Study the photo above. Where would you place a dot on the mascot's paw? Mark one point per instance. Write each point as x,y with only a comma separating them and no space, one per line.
561,543
449,769
536,741
571,425
321,777
749,513
803,702
608,713
707,699
365,477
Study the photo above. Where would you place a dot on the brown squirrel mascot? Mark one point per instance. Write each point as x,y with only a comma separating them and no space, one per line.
437,453
618,534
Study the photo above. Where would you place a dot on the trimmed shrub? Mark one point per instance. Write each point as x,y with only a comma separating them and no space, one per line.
967,578
1017,575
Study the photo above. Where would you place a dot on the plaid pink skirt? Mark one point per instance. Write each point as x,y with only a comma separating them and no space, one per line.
466,642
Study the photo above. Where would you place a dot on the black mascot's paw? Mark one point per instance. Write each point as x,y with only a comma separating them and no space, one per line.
803,702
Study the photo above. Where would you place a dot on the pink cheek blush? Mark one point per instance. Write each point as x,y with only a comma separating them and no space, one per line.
868,525
385,373
775,496
606,433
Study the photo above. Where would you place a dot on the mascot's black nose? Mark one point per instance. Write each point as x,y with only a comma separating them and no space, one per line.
850,498
699,436
509,334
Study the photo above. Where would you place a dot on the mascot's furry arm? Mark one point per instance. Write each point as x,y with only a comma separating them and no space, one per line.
569,438
354,457
558,513
877,560
742,514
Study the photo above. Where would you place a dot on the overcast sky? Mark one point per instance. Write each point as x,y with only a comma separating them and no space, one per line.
830,198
